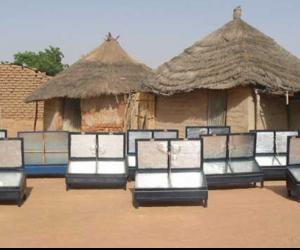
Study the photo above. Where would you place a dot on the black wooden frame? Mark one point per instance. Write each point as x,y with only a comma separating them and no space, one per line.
132,170
234,179
171,195
101,181
273,173
15,194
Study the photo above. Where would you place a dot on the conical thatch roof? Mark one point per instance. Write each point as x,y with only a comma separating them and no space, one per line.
235,55
107,70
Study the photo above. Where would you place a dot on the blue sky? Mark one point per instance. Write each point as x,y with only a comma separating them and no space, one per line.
152,31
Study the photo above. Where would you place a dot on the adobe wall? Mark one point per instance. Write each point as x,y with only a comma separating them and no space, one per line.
179,111
295,114
272,113
106,113
53,115
241,110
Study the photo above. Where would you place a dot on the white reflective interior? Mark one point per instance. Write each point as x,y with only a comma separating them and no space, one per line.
296,173
176,180
152,155
187,180
11,154
282,141
186,154
111,146
131,161
2,135
211,168
111,167
136,135
83,146
195,133
244,166
10,179
241,146
268,161
83,167
214,147
265,143
294,154
156,180
165,135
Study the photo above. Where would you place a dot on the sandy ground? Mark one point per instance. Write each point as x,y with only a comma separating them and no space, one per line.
235,218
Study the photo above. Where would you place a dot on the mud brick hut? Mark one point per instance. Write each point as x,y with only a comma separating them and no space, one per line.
236,76
16,83
101,92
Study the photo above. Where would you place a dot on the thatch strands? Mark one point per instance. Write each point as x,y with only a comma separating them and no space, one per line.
108,70
235,55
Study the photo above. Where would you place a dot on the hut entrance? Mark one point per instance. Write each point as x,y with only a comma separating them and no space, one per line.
217,108
72,115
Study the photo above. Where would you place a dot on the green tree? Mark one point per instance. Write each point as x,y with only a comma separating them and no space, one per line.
48,61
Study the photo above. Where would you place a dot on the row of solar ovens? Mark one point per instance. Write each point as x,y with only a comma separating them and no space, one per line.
166,169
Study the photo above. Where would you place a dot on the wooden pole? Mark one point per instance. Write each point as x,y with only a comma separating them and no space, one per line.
288,110
36,115
255,93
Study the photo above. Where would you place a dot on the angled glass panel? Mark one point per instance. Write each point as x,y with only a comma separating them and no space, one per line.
265,143
83,167
295,172
214,147
152,181
165,135
56,142
111,146
186,154
244,166
294,154
152,155
282,141
216,167
187,180
241,146
10,179
56,158
34,158
136,135
111,167
196,133
33,142
11,154
219,131
83,146
268,161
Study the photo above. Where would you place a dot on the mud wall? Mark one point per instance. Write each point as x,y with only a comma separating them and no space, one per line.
241,110
105,113
179,111
53,115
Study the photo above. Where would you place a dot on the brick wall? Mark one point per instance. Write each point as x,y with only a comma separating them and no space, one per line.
16,84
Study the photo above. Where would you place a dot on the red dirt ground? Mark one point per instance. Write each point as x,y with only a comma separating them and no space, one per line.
235,218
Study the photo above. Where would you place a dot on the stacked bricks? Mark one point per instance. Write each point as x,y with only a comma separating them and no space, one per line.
16,84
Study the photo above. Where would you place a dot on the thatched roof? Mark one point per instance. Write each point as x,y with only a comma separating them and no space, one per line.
108,70
235,55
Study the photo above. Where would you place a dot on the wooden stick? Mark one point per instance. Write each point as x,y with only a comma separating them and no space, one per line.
36,115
